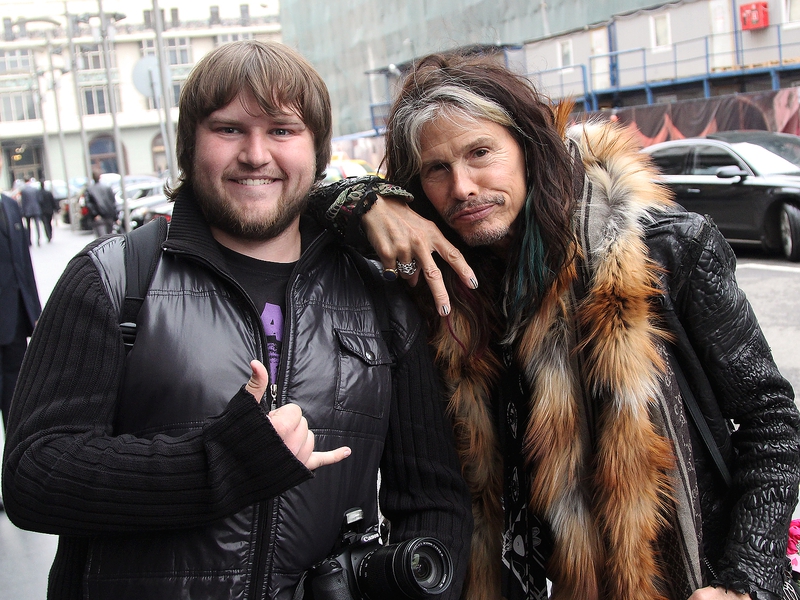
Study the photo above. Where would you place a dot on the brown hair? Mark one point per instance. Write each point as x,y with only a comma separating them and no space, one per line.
278,77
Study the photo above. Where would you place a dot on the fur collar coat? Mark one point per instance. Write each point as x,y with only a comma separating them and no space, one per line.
605,505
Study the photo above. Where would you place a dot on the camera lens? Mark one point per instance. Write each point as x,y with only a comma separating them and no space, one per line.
426,568
416,568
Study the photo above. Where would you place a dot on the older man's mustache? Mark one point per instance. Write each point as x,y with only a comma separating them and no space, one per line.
475,203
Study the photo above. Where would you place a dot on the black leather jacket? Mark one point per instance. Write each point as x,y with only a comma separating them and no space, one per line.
260,518
728,364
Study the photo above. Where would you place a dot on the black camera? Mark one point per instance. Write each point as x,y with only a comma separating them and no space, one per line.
361,567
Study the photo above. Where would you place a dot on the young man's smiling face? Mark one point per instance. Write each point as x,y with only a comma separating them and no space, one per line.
473,172
252,171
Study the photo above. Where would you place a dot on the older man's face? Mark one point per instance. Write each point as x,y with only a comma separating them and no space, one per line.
473,172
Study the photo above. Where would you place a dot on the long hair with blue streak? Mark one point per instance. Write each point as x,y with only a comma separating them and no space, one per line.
478,87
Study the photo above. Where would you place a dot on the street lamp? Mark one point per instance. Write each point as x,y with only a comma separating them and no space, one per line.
166,93
50,52
73,61
112,101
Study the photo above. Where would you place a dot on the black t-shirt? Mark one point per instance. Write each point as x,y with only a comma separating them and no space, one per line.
265,282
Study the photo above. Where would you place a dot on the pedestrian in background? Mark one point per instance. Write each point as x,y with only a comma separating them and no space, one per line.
30,198
19,299
48,206
101,204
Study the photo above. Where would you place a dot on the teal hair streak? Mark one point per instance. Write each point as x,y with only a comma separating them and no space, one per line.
528,279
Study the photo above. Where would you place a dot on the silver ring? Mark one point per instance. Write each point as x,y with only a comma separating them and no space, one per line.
407,268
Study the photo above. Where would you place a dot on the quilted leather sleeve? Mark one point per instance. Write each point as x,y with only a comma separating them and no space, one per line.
750,391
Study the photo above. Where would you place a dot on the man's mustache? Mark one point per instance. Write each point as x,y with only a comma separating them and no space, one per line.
478,202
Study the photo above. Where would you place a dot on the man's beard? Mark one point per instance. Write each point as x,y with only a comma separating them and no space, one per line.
485,237
224,216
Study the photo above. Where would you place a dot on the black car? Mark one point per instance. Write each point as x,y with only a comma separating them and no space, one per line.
747,182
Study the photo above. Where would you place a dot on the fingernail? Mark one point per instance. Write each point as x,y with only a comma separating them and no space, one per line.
347,452
474,283
445,310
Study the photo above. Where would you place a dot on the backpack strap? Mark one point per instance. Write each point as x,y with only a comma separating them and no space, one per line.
142,253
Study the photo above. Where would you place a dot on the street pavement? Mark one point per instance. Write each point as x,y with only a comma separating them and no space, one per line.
771,285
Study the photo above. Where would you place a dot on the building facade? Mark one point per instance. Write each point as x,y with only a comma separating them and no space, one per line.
604,55
56,119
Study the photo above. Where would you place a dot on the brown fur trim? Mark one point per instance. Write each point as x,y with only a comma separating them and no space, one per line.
469,380
555,448
623,369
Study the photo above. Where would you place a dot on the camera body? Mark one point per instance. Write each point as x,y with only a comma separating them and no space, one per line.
361,567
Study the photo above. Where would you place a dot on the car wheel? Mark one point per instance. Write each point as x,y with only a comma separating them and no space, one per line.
790,231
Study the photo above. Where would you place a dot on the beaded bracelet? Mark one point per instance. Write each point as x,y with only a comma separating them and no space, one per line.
356,195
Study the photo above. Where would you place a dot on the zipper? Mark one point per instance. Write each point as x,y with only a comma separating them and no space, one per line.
273,394
710,568
264,553
266,509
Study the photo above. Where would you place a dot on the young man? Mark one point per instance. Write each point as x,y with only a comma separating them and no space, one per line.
604,315
162,474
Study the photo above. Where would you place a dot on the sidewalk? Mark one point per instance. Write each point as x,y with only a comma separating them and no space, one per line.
25,557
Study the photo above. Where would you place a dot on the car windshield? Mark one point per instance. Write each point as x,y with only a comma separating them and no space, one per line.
765,162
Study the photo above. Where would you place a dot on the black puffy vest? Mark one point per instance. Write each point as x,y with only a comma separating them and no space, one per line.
196,336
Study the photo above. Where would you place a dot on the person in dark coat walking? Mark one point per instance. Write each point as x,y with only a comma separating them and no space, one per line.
101,204
19,299
30,196
48,205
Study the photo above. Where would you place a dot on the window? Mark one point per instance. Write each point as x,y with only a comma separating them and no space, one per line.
148,47
15,60
95,100
90,57
793,10
565,53
18,106
708,159
179,51
176,92
232,37
103,153
661,36
670,161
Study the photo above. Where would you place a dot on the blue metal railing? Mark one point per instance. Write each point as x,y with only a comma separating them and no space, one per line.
771,50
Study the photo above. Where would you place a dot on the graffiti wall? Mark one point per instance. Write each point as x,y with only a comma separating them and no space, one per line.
771,111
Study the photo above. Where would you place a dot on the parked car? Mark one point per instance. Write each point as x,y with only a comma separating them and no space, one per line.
138,191
164,209
749,186
139,210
